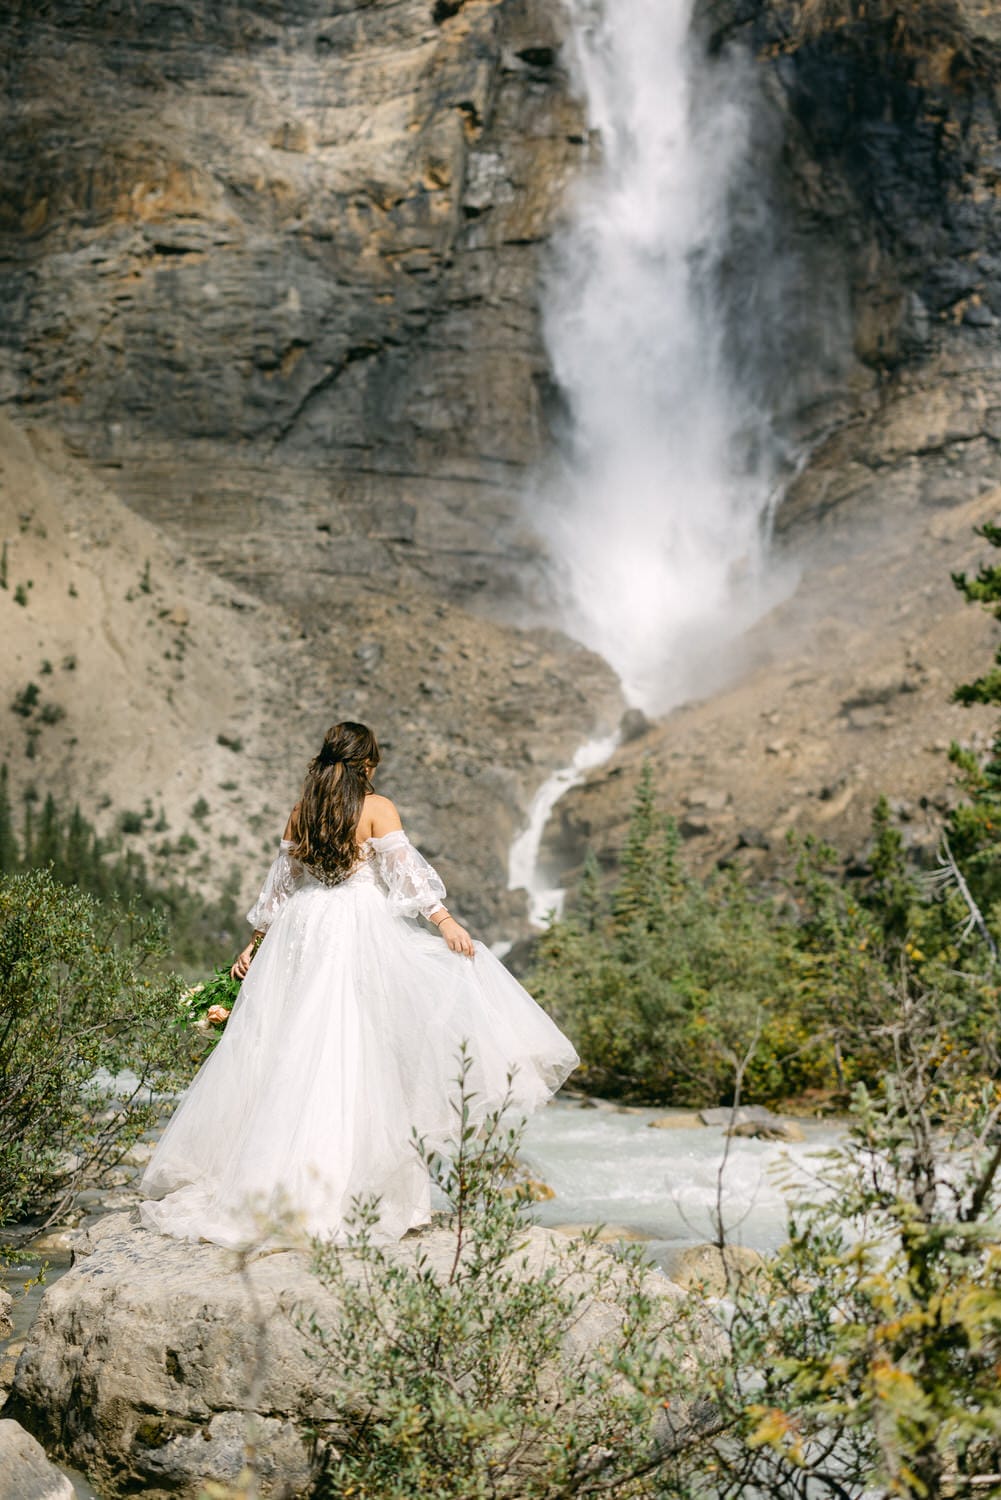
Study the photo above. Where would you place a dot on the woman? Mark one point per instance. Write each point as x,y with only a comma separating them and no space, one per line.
345,1034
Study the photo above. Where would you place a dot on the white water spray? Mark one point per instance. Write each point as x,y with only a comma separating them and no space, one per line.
658,520
523,862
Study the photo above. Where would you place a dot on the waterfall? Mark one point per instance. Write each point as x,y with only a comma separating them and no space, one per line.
524,869
657,517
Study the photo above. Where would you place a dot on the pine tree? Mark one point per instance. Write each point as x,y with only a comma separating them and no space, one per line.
9,854
76,867
48,840
638,895
28,837
985,589
589,905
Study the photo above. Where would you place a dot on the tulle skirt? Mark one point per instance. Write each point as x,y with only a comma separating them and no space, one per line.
343,1041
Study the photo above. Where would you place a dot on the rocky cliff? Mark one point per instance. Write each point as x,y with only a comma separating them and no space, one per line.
275,268
272,275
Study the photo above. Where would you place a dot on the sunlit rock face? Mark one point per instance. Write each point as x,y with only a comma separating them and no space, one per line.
277,264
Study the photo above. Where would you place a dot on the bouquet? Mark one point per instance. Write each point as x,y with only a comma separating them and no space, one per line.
219,989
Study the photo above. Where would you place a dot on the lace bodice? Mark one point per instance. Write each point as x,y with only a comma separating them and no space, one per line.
412,886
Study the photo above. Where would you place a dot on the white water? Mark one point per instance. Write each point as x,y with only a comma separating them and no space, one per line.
658,518
523,861
608,1166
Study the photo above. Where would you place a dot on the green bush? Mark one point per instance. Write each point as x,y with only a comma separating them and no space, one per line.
88,1031
465,1381
862,1361
666,980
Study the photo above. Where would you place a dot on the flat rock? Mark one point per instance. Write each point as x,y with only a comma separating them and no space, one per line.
607,1234
147,1358
745,1114
679,1121
25,1472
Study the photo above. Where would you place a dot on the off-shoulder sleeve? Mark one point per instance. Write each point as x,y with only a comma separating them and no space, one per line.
412,885
284,877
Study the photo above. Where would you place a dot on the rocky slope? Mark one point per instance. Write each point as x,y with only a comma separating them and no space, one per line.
137,680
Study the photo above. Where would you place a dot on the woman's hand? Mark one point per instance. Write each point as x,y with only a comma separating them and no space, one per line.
456,936
242,964
217,1014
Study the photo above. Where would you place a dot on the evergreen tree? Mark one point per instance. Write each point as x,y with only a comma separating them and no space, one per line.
9,855
78,859
985,589
637,897
48,841
28,837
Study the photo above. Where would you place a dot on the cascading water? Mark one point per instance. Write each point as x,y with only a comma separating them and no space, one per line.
658,518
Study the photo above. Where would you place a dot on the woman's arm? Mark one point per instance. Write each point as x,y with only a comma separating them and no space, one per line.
383,817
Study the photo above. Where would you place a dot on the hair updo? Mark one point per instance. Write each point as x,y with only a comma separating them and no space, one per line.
326,816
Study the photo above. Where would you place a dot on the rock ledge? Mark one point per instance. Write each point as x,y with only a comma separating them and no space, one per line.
149,1359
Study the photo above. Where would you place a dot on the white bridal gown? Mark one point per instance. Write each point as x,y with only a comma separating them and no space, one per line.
344,1037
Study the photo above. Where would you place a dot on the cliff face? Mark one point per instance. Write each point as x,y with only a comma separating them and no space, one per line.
878,130
276,267
271,271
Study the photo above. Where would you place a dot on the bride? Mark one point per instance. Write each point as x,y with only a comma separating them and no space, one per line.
345,1034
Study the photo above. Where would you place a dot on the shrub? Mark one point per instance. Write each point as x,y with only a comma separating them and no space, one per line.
465,1380
86,1036
665,981
862,1360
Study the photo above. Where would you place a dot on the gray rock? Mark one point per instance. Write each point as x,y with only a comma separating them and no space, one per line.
25,1472
744,1115
151,1361
6,1321
633,725
707,1269
768,1130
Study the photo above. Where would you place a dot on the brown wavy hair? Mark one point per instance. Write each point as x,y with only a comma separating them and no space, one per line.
325,818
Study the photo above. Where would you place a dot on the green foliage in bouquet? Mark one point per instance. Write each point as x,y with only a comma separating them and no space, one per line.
219,989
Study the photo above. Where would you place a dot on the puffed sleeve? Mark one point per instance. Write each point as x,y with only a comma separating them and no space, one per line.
284,877
412,885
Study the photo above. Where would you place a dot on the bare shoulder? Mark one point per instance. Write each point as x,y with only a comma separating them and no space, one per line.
380,815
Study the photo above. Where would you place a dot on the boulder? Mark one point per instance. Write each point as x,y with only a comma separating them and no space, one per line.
744,1114
6,1321
152,1362
768,1130
708,1269
25,1472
